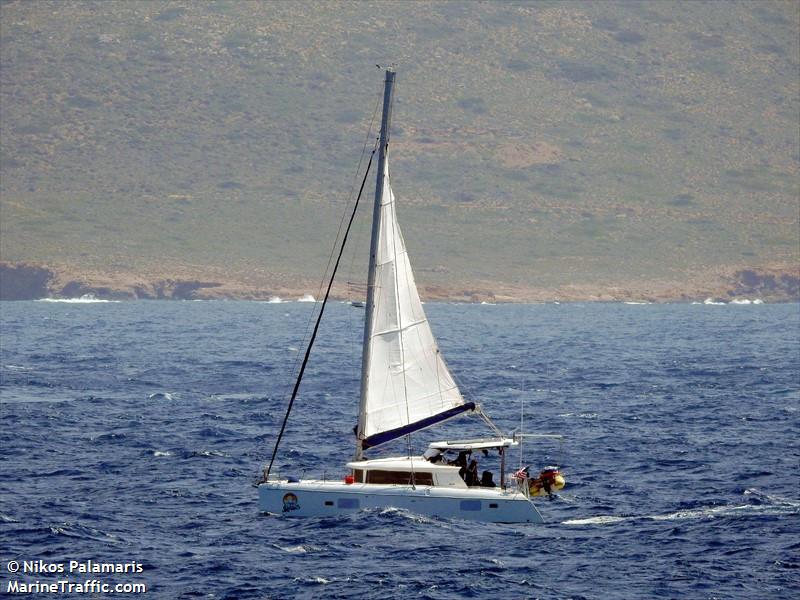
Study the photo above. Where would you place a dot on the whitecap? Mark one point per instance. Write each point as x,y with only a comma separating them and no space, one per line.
299,549
778,507
85,299
405,514
306,298
776,500
699,513
741,301
208,453
713,302
17,368
600,520
275,300
76,530
637,303
758,301
583,415
162,453
316,579
161,396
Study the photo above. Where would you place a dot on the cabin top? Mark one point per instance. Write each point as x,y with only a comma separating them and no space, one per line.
405,464
399,471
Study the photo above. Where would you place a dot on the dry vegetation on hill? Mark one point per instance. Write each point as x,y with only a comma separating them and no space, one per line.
540,150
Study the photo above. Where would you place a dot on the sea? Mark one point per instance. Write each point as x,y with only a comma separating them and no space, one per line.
134,432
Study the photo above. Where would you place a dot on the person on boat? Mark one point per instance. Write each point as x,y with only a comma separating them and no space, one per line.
433,455
471,477
487,480
461,461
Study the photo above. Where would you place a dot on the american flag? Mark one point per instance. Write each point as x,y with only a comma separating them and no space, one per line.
522,473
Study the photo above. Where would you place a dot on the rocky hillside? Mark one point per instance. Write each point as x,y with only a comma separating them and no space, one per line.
537,146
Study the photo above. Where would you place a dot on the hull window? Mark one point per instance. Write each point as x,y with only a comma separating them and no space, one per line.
470,505
398,477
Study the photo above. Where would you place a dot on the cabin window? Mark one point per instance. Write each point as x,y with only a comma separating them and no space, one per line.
470,505
358,475
399,477
328,502
347,503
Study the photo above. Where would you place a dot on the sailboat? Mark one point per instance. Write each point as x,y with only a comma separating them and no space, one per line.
406,386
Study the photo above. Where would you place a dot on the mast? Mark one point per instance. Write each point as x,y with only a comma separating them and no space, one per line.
388,90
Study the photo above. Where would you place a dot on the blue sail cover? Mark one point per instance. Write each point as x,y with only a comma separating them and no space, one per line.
393,434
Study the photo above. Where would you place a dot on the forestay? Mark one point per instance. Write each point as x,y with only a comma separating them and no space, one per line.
408,385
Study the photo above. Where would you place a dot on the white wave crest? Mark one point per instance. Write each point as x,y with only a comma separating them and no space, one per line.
315,579
713,302
776,500
276,300
306,298
300,549
600,520
583,415
85,299
405,514
209,453
778,506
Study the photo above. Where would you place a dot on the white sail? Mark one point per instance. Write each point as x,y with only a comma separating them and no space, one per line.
408,385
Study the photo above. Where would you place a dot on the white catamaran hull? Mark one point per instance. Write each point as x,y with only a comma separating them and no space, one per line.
330,498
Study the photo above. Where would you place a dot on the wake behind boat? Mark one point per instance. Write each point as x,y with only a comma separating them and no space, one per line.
406,386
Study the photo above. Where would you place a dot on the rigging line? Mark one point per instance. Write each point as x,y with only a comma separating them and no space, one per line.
319,319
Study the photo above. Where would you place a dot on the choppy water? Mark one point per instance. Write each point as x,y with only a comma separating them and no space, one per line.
134,431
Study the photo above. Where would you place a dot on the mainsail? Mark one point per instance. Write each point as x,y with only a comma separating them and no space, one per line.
407,385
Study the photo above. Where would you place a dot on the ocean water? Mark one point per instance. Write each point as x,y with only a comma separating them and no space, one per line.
134,431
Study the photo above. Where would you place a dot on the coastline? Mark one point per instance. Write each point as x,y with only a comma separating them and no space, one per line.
29,281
